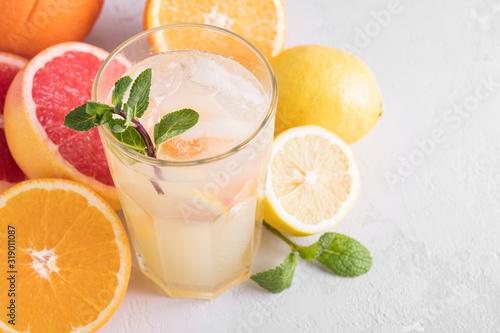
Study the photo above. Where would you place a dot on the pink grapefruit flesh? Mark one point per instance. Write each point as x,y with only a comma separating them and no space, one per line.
64,83
10,173
53,83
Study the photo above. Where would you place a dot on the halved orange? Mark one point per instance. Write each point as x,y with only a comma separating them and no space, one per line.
262,22
65,258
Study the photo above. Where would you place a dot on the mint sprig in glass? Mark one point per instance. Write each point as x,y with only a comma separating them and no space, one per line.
123,119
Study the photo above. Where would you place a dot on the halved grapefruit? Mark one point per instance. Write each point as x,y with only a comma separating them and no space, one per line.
10,173
53,83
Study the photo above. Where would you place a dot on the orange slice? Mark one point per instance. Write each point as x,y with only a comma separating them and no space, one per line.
262,22
312,182
66,255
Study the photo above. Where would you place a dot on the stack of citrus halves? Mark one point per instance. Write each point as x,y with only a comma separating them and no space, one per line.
68,253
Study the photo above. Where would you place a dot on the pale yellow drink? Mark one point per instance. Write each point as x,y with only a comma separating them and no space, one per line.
198,238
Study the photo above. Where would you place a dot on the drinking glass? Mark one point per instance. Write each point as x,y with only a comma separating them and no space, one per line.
195,224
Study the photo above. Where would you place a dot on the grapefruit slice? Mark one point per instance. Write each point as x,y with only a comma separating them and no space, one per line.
66,254
10,173
262,22
53,83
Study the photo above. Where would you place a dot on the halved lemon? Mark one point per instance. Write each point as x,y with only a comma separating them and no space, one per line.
312,181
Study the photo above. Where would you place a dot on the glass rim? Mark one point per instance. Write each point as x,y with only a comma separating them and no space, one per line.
162,162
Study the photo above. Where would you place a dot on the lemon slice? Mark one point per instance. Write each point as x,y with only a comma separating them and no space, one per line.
312,182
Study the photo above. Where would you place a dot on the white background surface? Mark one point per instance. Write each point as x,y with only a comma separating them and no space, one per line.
430,216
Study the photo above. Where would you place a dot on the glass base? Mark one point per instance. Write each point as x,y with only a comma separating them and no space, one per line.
183,291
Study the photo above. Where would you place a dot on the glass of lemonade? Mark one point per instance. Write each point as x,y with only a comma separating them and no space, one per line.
194,214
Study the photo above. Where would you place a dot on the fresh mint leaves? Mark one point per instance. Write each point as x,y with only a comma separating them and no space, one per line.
346,257
314,251
129,135
80,120
100,112
121,87
343,255
280,278
173,124
139,95
123,118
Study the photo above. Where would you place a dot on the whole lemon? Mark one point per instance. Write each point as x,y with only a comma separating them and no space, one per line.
323,86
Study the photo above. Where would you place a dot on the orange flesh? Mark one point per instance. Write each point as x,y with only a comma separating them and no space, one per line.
66,260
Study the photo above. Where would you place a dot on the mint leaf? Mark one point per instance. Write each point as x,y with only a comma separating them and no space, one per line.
138,100
79,120
117,125
96,108
129,112
277,279
101,112
104,118
174,123
119,91
130,136
346,257
313,251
